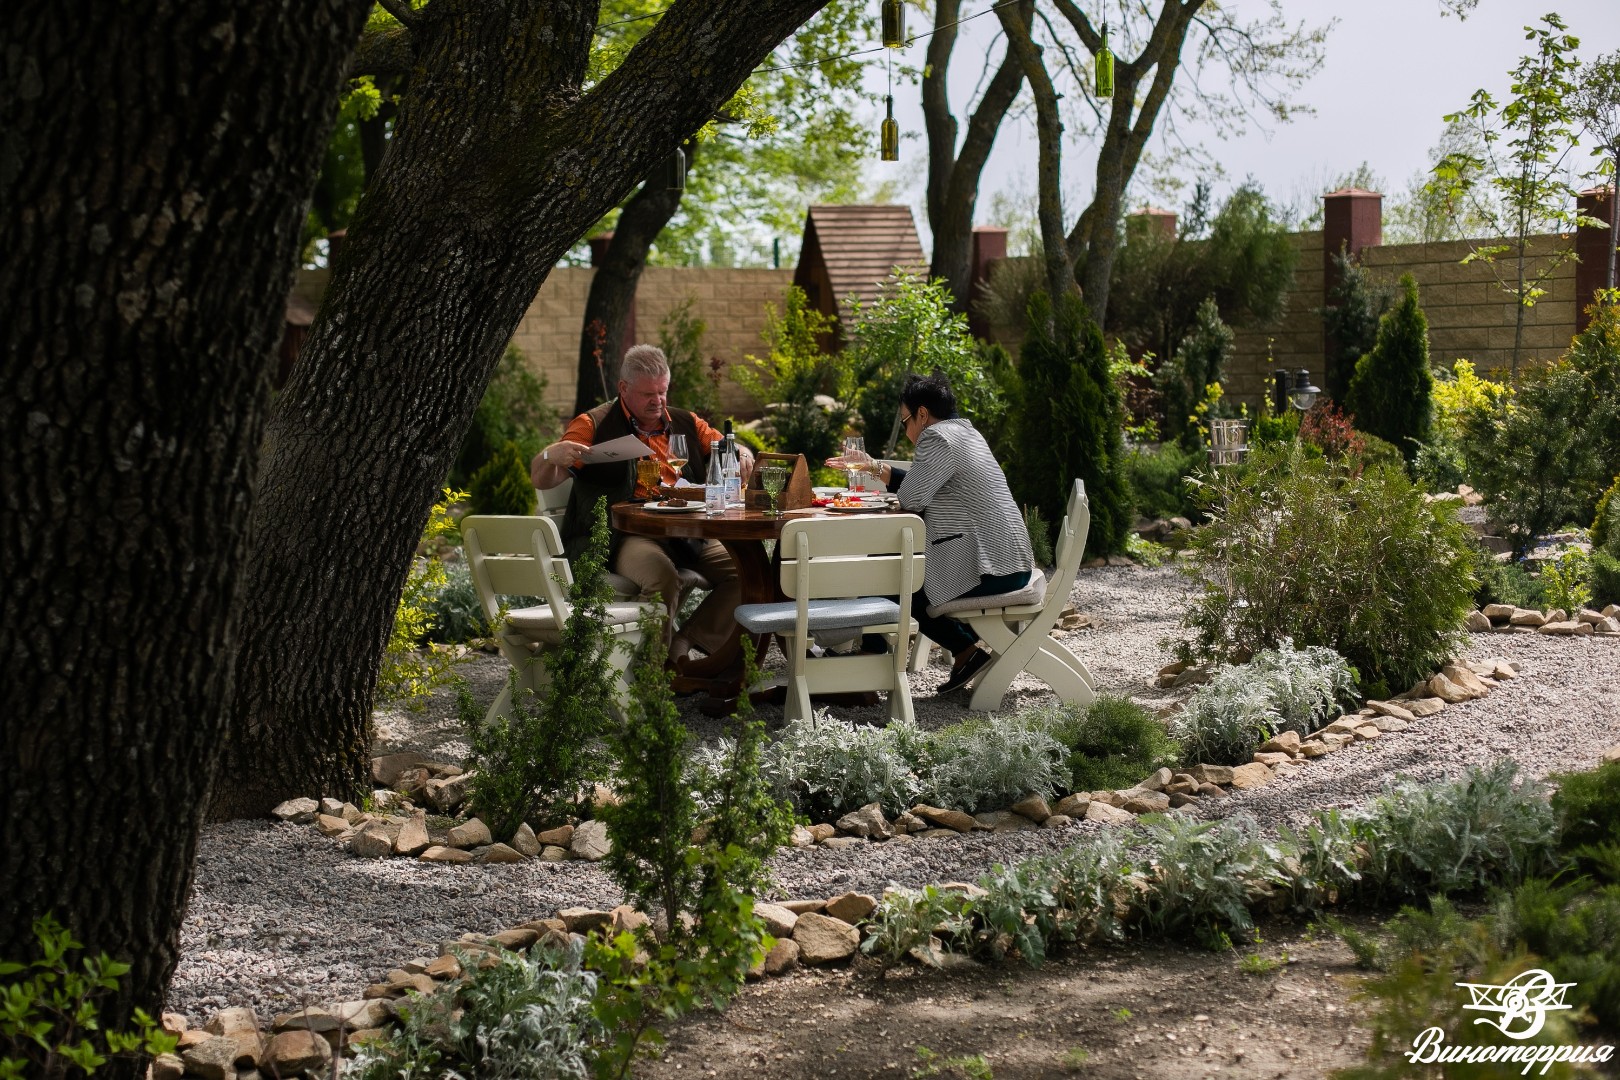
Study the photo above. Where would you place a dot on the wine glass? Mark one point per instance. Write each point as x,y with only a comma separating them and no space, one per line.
772,478
677,456
855,458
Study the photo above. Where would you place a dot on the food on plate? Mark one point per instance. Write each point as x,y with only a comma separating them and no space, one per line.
674,504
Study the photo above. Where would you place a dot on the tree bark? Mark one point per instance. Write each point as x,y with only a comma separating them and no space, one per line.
613,287
953,176
497,165
154,164
1015,20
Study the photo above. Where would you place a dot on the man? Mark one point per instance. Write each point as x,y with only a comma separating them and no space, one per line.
642,409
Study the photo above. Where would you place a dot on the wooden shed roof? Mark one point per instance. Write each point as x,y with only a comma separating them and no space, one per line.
860,246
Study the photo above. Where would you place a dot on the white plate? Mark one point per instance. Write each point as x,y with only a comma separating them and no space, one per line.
869,508
663,509
828,492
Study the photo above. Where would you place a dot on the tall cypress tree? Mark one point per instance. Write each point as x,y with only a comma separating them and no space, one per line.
1071,423
1392,392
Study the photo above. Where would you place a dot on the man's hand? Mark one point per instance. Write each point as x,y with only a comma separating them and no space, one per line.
745,463
550,467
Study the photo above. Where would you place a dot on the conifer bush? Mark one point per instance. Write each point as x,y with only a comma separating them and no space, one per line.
1182,379
503,485
1391,394
1071,423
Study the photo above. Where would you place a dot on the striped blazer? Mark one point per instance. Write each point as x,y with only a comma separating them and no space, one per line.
974,527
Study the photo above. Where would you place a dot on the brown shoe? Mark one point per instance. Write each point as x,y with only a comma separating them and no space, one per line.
966,666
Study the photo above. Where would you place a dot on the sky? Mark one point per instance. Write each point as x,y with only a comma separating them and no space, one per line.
1391,70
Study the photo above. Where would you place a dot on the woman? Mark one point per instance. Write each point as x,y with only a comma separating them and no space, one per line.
977,542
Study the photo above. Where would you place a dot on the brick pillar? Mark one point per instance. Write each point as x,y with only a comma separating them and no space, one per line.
1151,221
1352,219
989,246
1592,250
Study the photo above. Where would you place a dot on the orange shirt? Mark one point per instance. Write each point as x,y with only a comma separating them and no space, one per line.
582,430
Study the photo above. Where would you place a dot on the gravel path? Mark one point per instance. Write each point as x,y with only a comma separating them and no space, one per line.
280,916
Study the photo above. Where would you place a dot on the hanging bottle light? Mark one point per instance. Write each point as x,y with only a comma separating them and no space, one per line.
675,171
894,24
1105,67
891,134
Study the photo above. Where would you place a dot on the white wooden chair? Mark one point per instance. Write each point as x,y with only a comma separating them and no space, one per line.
1017,625
553,503
921,647
512,555
837,573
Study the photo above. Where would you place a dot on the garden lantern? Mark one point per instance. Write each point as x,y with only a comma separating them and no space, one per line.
1105,67
1304,391
1292,388
675,171
894,24
891,134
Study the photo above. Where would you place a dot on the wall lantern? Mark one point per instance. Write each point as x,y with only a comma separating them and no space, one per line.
1293,388
894,24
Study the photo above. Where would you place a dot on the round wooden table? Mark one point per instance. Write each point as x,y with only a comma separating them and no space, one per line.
743,534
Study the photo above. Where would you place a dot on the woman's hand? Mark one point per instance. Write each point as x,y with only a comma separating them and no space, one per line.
854,461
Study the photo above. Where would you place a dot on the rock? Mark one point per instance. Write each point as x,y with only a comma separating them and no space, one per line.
1212,791
388,768
801,837
580,920
553,853
778,920
1459,674
1368,732
784,956
868,821
516,938
441,854
168,1067
1477,622
1499,613
1004,821
799,907
1112,798
331,825
1557,615
524,842
561,836
372,841
1108,815
1336,740
1390,724
1344,725
241,1027
823,831
907,822
191,1038
627,920
823,939
1250,776
843,843
1587,615
851,907
497,853
1425,706
297,811
602,795
1188,786
353,814
172,1022
469,834
1057,821
1032,807
1073,806
1526,617
332,807
1609,625
1212,774
1142,801
591,841
1181,798
444,967
1157,780
1448,691
314,1018
1284,742
1313,748
388,801
413,835
294,1052
944,819
1612,754
1611,611
1389,708
214,1058
450,792
1272,759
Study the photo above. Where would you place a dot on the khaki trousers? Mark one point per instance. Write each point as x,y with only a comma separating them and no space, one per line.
652,565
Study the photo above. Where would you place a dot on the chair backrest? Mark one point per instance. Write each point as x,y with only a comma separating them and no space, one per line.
1071,543
824,558
516,555
553,502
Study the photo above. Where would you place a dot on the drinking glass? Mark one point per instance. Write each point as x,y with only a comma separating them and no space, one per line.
772,478
855,455
677,454
648,472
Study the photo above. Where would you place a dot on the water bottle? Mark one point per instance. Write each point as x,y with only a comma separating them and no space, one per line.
714,487
732,465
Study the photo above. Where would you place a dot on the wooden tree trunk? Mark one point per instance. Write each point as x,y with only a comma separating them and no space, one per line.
613,288
154,165
497,165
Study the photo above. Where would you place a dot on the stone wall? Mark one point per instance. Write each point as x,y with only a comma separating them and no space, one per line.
731,302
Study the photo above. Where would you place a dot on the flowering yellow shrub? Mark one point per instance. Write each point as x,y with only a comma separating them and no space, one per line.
1462,394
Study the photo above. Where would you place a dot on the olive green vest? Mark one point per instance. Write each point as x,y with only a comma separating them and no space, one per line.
615,481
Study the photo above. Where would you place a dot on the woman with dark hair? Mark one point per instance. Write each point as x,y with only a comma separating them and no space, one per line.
977,542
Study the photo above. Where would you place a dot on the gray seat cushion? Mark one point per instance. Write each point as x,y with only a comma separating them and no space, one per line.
823,614
1031,595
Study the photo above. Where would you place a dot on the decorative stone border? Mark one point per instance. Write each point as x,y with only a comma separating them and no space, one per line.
1507,619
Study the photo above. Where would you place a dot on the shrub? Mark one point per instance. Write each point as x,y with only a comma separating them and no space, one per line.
1113,742
1606,520
1588,807
1391,393
829,766
908,918
793,374
694,383
990,763
1203,874
1158,481
503,485
1350,320
533,764
1040,536
1069,424
454,609
517,1017
1299,549
50,1019
1086,883
1605,578
1329,430
408,672
1566,580
1457,836
1508,583
1181,379
513,409
1279,690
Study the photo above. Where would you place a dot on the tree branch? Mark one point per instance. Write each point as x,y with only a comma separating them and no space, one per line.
401,11
382,52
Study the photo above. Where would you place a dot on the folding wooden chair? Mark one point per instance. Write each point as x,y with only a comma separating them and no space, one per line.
512,555
838,573
1016,626
553,503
